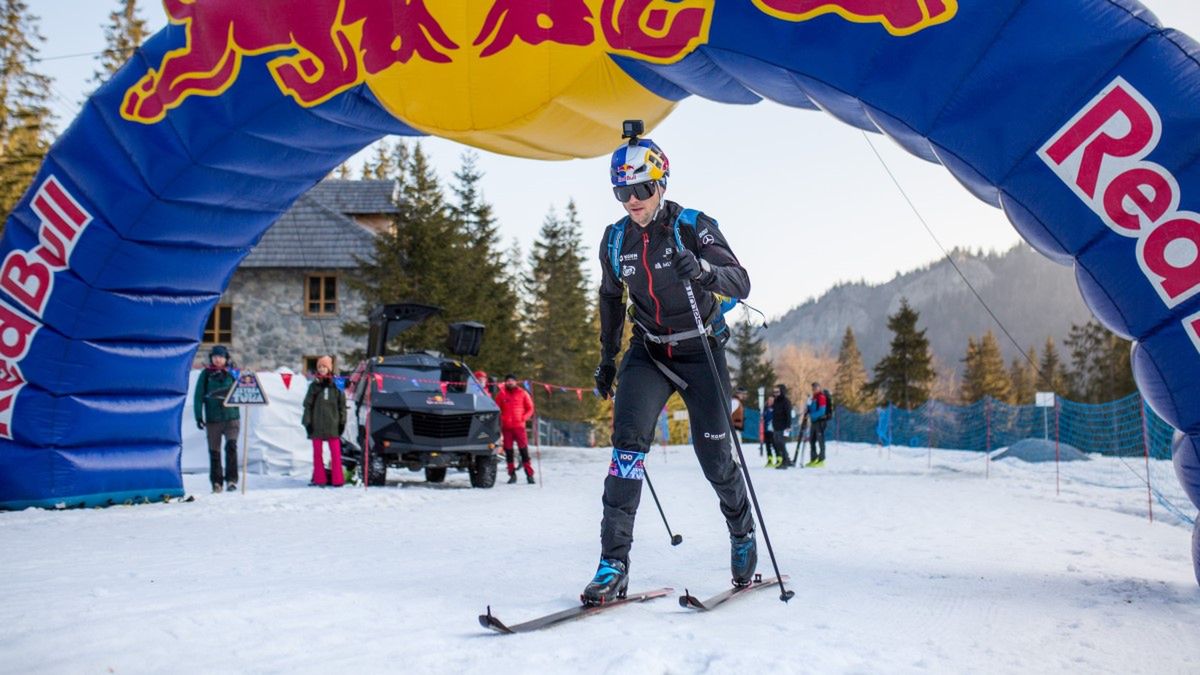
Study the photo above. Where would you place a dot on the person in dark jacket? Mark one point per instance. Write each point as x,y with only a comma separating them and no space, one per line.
325,420
768,432
781,421
641,255
818,416
218,421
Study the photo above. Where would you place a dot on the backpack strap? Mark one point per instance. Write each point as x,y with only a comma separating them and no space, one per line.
688,217
616,237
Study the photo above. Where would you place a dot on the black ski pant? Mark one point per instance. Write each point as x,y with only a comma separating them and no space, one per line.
780,443
216,431
642,392
817,432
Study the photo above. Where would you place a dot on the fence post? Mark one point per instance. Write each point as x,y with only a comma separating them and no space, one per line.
987,451
1057,479
1146,448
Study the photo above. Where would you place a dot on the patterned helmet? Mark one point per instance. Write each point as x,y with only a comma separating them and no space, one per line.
633,164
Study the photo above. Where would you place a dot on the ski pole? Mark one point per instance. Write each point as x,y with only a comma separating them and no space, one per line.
676,539
784,594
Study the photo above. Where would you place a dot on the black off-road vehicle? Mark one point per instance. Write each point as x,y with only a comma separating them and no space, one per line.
421,410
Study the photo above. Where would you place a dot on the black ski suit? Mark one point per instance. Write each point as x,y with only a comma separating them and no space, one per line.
653,367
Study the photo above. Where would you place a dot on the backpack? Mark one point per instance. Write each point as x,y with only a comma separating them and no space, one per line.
828,404
616,237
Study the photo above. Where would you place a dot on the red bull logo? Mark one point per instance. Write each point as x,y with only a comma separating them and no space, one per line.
337,44
898,17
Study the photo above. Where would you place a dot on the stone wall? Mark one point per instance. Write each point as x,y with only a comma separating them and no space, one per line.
270,328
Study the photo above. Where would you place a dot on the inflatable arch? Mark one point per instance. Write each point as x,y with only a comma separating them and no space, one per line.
1079,118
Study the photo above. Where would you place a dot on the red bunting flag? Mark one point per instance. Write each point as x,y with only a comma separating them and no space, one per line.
379,381
579,394
287,380
548,389
445,387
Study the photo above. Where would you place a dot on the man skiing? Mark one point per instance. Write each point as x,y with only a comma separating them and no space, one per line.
653,252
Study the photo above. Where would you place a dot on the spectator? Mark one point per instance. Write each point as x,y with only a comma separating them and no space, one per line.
218,421
325,421
818,415
738,406
516,407
781,421
768,430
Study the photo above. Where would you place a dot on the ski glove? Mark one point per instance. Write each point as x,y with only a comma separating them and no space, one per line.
687,266
200,425
606,372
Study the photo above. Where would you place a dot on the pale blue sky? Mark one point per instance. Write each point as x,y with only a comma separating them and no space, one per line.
800,196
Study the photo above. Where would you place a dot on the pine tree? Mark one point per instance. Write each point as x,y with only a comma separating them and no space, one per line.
388,161
1100,369
1024,378
560,312
1051,374
751,370
985,374
904,377
417,260
485,287
850,381
25,119
125,32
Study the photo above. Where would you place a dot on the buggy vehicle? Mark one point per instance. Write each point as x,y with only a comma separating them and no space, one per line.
421,410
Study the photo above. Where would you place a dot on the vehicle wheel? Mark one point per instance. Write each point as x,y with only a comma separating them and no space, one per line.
483,471
377,471
435,474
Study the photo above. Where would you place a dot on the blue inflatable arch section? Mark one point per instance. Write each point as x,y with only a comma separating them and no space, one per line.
1079,118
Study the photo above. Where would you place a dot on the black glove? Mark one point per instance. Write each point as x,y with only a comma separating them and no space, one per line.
308,430
606,372
200,425
687,267
341,429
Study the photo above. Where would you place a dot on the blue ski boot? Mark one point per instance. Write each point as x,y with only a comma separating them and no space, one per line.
743,558
610,583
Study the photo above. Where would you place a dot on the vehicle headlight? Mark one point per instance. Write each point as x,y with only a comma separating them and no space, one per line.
486,417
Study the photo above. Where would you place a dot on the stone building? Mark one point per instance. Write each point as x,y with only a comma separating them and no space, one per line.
288,300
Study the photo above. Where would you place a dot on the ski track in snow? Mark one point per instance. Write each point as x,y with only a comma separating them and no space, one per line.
897,568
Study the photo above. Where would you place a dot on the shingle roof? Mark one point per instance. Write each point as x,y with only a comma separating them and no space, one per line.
313,236
357,197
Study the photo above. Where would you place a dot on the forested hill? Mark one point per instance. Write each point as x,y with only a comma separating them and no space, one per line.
1031,295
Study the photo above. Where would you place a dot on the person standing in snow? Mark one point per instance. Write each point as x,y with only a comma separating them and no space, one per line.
781,421
641,254
738,406
516,408
768,432
216,420
817,414
324,421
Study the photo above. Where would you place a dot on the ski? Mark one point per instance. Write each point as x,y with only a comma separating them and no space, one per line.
690,601
490,621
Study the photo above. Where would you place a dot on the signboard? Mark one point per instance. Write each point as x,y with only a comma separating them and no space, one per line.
1044,399
246,391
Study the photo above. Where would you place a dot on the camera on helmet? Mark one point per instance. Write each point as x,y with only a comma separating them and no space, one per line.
631,129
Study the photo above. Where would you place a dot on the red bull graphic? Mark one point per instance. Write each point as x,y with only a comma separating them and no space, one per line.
28,278
898,17
1101,155
339,44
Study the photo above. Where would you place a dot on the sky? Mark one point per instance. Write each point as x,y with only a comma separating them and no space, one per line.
801,197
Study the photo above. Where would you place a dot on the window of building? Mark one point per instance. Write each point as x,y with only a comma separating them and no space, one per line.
219,329
320,294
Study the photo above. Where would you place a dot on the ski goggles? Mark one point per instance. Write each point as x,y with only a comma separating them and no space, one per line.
642,191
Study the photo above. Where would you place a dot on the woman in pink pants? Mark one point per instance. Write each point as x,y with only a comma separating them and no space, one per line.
325,420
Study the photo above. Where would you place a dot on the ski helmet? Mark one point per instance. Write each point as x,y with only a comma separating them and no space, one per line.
639,162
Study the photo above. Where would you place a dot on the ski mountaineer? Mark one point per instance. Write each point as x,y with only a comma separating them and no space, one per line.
640,254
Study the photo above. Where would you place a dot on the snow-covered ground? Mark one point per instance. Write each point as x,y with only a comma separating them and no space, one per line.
898,566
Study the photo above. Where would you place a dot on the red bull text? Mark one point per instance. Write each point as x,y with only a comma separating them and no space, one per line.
898,17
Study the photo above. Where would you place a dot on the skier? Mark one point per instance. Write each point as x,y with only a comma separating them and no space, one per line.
325,421
768,433
818,407
781,421
217,420
641,254
516,407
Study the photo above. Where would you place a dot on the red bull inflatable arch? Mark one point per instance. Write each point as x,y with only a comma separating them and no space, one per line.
1079,118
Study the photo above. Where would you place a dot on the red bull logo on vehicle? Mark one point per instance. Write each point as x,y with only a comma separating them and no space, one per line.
1100,154
898,17
329,46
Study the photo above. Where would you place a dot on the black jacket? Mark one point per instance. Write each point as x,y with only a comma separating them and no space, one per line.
781,413
658,298
324,409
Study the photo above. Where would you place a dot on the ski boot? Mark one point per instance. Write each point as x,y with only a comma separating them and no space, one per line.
610,583
216,488
529,479
743,558
231,487
512,477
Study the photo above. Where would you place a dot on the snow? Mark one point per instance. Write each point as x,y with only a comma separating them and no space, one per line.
902,561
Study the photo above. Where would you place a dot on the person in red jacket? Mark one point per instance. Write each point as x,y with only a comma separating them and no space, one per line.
516,407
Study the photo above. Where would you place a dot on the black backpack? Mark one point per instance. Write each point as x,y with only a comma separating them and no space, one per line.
828,404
